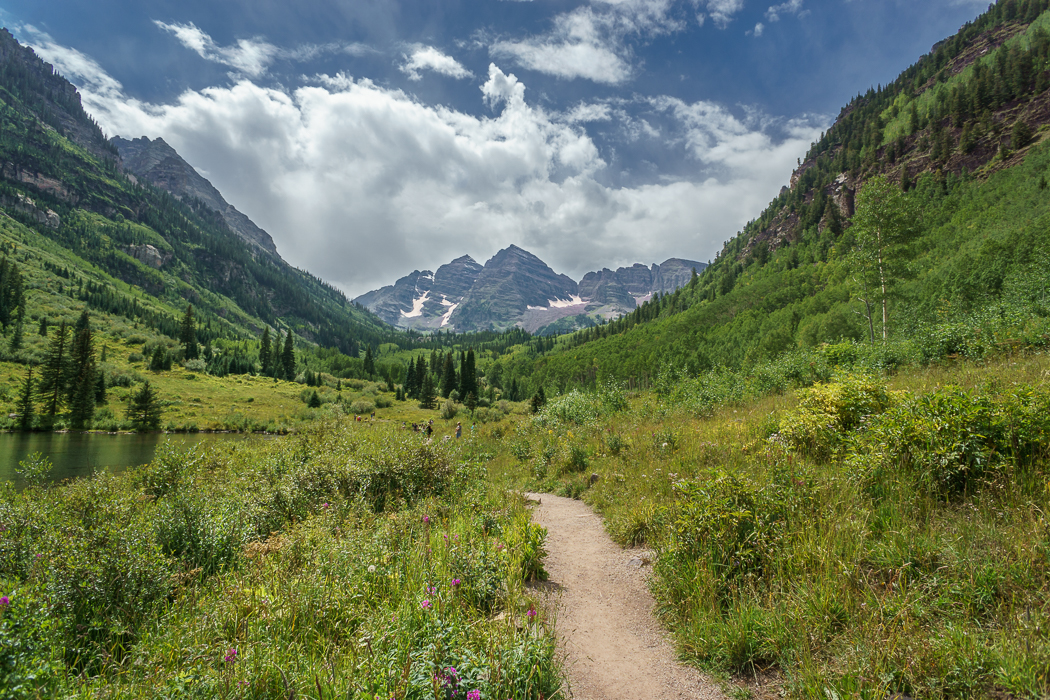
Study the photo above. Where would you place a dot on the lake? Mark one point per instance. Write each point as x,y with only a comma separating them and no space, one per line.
82,454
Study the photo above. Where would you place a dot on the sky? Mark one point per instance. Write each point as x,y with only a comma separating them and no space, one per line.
374,137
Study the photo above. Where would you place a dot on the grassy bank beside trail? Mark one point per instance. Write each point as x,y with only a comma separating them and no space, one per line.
333,563
868,536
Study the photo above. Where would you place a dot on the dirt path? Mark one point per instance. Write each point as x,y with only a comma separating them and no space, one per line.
614,647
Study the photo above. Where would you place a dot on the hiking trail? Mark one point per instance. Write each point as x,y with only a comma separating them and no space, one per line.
614,647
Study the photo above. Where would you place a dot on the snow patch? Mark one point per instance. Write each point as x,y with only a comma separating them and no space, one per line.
564,304
417,306
448,315
446,302
536,308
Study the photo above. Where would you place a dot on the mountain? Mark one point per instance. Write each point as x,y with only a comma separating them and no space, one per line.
130,248
962,138
160,165
424,299
516,288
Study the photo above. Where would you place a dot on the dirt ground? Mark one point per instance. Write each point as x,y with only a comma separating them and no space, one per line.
614,648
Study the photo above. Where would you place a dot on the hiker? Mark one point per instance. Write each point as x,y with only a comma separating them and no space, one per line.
430,429
459,430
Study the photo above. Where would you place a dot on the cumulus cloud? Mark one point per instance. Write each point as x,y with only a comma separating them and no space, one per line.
428,58
759,28
791,7
591,41
360,183
721,11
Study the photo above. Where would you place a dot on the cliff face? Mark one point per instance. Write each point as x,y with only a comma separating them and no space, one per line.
160,165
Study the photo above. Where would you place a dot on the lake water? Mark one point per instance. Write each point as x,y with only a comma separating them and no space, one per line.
82,454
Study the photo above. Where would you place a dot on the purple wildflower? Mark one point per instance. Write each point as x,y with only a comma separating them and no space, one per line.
531,613
456,582
426,519
426,605
474,695
432,590
326,506
4,601
231,656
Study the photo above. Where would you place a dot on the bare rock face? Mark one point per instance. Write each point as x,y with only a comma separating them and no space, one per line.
23,204
148,255
160,165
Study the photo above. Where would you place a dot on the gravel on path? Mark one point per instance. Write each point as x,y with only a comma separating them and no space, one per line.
614,648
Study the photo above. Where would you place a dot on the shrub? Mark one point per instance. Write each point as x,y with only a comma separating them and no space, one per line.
195,365
449,409
576,459
384,401
362,406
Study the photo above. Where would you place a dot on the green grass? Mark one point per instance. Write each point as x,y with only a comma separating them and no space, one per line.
336,563
851,559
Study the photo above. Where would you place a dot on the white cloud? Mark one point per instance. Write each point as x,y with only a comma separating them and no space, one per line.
360,183
792,7
429,58
722,11
759,28
590,41
250,56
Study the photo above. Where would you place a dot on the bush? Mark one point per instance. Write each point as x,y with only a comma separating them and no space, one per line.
362,406
576,459
449,409
195,365
384,401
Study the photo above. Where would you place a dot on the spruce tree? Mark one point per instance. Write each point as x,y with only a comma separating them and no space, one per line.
370,363
448,377
54,373
276,365
427,395
410,378
43,326
188,335
82,374
25,401
265,361
100,389
288,357
144,408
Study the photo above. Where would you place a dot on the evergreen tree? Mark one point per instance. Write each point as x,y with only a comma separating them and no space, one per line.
82,373
288,357
188,335
314,401
448,377
53,376
427,394
43,326
538,400
370,363
265,361
144,408
25,401
100,389
160,360
1021,135
276,364
410,378
471,402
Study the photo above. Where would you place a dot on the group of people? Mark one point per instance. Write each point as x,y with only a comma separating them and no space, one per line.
428,428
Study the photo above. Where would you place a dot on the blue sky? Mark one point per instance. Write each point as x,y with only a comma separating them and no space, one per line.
374,137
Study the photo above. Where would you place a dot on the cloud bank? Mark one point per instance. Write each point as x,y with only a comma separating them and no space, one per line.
360,183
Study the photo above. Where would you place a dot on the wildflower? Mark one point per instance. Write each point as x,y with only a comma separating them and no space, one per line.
456,582
371,568
325,506
231,656
5,601
426,605
426,519
531,613
432,590
474,695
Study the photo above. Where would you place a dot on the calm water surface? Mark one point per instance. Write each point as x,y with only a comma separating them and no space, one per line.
83,454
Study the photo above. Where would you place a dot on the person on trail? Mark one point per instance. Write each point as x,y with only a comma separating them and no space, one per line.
373,416
459,430
430,429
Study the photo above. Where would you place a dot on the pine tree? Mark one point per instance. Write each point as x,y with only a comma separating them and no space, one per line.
276,365
288,357
370,363
314,401
43,326
100,389
448,377
144,408
427,395
410,378
25,401
82,374
188,335
265,361
54,373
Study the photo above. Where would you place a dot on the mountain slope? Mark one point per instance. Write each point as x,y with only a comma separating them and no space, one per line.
59,176
963,133
160,165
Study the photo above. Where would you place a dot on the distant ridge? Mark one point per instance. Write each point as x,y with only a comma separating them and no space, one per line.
516,288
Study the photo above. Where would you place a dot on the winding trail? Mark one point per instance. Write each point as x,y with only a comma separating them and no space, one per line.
614,648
